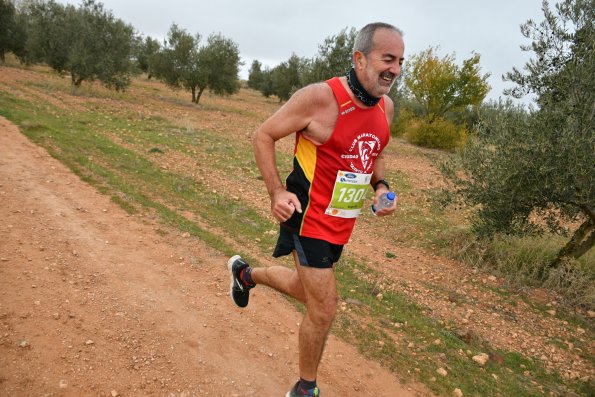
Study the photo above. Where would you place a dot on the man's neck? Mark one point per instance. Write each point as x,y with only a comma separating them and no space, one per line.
359,91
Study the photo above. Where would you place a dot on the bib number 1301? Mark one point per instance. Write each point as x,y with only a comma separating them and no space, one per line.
348,194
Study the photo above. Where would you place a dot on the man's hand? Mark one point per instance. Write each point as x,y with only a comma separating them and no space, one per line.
283,204
383,211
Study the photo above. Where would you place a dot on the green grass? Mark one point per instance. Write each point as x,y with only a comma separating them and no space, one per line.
118,153
120,172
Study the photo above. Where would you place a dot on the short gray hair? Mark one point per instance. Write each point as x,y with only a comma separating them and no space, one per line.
364,41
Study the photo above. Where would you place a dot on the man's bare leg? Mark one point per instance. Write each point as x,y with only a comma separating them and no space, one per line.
317,289
320,291
280,278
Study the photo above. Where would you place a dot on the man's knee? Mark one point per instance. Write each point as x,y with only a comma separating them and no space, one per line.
323,312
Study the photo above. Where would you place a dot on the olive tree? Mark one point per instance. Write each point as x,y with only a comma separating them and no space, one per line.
534,170
334,57
12,32
105,50
146,50
286,78
88,42
220,63
49,36
255,75
177,62
182,63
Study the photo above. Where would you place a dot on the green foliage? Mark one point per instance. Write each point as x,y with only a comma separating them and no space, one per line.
48,39
440,86
182,63
499,172
145,51
334,57
177,62
406,108
405,118
266,88
255,75
12,32
88,42
529,172
562,43
220,64
438,134
286,78
436,100
108,44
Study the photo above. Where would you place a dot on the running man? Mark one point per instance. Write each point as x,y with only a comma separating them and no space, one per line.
341,127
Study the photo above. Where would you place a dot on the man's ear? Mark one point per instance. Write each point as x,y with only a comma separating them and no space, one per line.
359,60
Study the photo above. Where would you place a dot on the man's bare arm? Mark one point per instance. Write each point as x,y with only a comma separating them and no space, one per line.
295,115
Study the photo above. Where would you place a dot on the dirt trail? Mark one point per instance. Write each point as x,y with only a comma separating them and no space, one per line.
153,305
95,302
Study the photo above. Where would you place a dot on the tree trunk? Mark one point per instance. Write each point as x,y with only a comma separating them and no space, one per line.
580,243
200,91
193,94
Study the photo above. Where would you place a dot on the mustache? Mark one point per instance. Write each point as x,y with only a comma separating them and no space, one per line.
387,74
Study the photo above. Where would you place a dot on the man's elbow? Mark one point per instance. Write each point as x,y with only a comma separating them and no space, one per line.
261,141
257,136
261,136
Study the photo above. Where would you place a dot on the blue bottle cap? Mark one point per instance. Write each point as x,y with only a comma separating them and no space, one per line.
390,196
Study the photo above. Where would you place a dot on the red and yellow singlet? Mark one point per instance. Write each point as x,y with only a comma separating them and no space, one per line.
331,179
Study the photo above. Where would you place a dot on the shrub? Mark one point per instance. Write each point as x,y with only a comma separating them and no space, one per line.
400,124
438,134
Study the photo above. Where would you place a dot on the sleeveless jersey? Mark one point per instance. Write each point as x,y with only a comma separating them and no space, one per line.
359,137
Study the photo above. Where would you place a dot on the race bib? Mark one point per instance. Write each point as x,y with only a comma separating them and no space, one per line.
348,194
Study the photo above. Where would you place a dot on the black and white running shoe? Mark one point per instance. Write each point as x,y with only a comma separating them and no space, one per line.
238,291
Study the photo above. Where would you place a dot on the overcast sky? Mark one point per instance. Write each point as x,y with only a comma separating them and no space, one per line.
271,30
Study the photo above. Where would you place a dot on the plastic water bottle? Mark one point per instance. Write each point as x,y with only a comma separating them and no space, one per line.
385,200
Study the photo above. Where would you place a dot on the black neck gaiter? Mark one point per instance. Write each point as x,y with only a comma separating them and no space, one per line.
359,91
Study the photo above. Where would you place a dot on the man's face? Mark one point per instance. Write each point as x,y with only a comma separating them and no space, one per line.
379,69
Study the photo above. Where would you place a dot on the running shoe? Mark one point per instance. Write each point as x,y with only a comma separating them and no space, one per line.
238,291
296,391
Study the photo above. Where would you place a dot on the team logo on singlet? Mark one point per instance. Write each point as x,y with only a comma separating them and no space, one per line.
363,151
366,148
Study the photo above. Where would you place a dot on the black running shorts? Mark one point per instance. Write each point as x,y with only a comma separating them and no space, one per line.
311,252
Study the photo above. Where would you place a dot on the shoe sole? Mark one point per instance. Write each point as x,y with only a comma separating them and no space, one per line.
231,283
